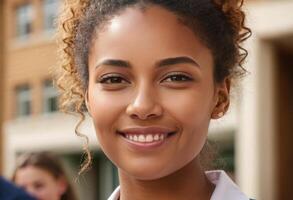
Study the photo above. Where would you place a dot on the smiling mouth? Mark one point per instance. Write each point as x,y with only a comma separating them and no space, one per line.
146,138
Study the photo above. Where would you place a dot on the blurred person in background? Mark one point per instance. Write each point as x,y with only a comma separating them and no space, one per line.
8,191
42,175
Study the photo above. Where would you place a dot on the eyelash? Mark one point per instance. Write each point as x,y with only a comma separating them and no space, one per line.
185,78
112,77
118,79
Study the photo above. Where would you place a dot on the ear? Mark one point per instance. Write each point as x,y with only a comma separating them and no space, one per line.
222,99
62,185
86,100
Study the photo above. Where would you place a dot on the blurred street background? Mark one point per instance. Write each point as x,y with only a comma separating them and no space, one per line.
254,138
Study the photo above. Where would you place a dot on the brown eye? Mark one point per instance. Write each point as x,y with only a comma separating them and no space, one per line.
177,77
112,79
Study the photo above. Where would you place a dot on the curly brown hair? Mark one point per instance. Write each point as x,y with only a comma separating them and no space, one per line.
219,23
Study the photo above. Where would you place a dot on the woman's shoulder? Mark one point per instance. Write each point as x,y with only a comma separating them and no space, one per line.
225,188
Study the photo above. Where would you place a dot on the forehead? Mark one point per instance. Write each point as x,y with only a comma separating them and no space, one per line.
150,31
31,173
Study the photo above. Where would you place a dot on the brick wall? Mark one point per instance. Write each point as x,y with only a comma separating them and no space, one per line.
27,61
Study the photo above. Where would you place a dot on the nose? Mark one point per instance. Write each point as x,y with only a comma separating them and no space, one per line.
145,105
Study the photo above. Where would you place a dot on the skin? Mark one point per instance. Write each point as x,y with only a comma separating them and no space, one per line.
180,96
40,183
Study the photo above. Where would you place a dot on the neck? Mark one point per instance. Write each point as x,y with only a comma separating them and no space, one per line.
187,183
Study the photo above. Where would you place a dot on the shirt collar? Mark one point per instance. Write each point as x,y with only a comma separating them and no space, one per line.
225,189
115,195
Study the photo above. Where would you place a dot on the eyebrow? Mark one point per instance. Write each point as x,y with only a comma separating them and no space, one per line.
160,63
176,60
114,62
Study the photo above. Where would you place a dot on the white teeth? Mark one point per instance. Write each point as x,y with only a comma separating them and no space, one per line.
145,138
157,137
141,138
149,138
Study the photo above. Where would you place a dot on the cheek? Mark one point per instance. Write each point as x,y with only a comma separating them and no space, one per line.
106,108
190,108
191,111
49,190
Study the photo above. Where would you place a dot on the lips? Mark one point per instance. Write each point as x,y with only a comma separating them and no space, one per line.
146,135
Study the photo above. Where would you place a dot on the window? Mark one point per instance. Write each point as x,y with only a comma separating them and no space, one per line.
23,96
50,13
102,178
50,95
24,20
108,177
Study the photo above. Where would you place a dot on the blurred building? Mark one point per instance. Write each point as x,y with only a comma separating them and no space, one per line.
255,135
264,156
1,79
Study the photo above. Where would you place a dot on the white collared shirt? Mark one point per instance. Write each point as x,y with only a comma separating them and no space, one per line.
225,188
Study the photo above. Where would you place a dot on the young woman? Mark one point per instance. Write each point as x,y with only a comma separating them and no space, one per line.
42,175
152,74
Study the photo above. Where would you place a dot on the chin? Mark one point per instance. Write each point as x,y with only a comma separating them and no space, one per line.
146,172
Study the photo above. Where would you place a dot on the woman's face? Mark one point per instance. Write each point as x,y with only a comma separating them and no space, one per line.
151,92
39,183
